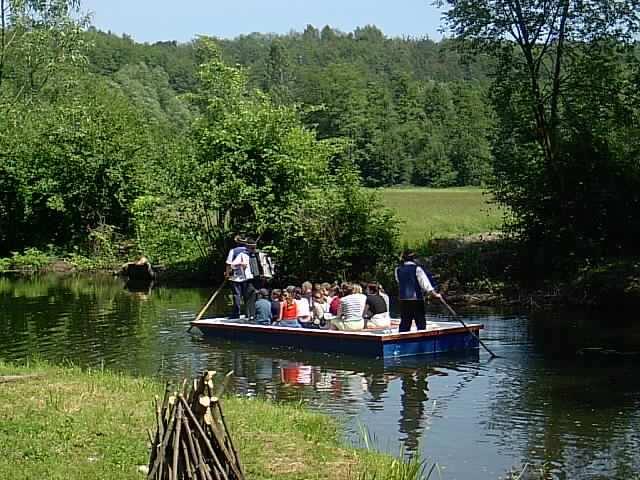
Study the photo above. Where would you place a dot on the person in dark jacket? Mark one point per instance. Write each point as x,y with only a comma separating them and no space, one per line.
263,308
413,284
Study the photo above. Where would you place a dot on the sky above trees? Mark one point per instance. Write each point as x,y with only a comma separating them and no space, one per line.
154,20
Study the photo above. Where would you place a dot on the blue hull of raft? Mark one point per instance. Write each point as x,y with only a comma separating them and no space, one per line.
437,339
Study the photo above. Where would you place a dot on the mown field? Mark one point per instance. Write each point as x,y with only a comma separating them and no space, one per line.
439,213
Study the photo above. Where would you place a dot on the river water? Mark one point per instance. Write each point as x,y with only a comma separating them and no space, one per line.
564,394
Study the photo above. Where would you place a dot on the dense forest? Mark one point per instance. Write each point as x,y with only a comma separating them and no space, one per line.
411,111
177,146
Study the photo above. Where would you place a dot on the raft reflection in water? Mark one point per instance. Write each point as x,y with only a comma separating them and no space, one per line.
345,384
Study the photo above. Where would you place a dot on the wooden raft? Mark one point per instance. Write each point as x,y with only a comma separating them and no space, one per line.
192,440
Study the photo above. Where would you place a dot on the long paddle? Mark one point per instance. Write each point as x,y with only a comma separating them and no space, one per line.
204,309
459,318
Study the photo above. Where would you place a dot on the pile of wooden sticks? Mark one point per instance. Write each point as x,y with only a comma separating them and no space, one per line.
192,440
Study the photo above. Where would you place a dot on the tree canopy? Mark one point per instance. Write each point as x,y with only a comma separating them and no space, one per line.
565,155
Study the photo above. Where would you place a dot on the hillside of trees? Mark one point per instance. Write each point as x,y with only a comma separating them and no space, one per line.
409,111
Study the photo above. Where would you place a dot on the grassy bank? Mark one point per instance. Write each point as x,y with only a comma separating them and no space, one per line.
68,423
440,213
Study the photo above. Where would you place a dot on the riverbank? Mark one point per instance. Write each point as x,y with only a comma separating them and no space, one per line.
491,270
69,423
476,270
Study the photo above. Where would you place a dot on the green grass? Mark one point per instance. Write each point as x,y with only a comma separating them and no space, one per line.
442,213
75,424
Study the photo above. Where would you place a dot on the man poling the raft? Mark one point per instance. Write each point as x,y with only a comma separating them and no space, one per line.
413,284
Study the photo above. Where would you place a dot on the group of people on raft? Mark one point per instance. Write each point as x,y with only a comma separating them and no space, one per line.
348,307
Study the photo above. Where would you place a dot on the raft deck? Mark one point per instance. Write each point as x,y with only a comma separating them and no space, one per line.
438,338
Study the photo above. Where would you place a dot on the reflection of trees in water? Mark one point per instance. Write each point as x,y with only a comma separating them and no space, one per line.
88,319
575,412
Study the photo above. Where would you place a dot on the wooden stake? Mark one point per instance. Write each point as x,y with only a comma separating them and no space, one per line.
203,437
176,442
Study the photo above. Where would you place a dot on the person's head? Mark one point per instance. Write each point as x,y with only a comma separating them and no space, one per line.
318,297
372,289
240,240
357,288
325,288
263,293
306,288
251,244
408,256
380,289
291,289
346,289
297,293
276,294
287,296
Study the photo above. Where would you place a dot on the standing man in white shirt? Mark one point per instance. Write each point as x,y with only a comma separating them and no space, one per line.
239,273
413,283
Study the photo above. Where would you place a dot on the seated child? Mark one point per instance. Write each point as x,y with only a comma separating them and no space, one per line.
263,308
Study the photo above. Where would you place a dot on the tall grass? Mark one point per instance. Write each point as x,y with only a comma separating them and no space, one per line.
402,467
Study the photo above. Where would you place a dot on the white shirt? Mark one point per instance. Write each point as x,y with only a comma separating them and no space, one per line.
423,280
352,307
240,270
302,308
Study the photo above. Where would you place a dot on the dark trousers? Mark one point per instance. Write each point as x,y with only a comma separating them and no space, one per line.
247,291
239,292
411,310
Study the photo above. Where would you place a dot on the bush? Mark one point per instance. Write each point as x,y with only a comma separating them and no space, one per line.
252,167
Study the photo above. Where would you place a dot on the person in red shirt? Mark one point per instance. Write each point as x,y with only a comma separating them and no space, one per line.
288,311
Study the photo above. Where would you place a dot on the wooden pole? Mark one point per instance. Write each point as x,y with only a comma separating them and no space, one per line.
453,312
204,309
176,442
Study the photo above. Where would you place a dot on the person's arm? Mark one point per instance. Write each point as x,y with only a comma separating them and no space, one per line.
425,284
366,313
227,267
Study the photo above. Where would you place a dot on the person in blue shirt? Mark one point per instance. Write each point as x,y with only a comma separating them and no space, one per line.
413,284
263,308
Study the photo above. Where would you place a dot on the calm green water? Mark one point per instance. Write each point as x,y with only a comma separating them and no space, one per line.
547,401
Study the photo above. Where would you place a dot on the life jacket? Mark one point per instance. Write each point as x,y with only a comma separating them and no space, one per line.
408,286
